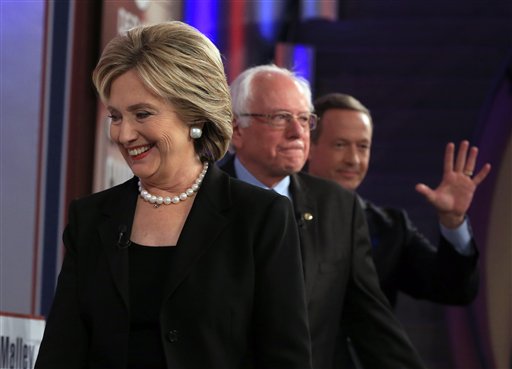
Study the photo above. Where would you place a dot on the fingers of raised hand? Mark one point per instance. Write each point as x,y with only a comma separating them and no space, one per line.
466,163
448,157
425,191
461,162
469,166
465,160
480,176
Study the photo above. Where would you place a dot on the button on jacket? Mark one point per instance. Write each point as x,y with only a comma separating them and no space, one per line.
342,288
234,297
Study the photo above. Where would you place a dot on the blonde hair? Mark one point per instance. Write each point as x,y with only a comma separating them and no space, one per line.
178,63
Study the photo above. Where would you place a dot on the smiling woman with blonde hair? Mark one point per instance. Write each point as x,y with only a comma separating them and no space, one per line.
181,266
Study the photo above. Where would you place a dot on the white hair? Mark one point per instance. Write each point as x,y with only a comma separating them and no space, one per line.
241,89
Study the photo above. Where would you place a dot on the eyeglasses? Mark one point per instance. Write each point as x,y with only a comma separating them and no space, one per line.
281,120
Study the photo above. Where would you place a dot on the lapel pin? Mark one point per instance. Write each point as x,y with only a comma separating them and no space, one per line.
307,216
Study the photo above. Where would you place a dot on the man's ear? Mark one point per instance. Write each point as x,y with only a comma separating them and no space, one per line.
238,133
311,149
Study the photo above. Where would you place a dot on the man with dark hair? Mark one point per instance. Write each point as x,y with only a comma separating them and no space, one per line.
406,260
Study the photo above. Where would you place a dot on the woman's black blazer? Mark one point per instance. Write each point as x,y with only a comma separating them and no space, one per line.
234,297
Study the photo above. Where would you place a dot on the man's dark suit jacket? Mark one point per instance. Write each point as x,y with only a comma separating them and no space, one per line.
407,261
234,297
341,282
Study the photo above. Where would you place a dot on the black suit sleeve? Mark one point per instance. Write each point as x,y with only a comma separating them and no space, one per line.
407,261
254,257
439,274
280,316
378,337
65,339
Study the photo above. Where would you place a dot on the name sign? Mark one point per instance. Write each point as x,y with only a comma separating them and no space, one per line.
20,338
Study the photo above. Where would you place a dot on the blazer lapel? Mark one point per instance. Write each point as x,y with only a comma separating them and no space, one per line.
204,223
115,233
228,165
306,215
202,227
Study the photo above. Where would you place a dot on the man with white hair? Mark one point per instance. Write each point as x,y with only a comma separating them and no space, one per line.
272,122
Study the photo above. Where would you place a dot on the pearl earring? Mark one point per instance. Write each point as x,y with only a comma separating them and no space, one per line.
196,132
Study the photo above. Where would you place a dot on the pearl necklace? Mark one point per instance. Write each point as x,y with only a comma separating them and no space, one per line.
189,192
